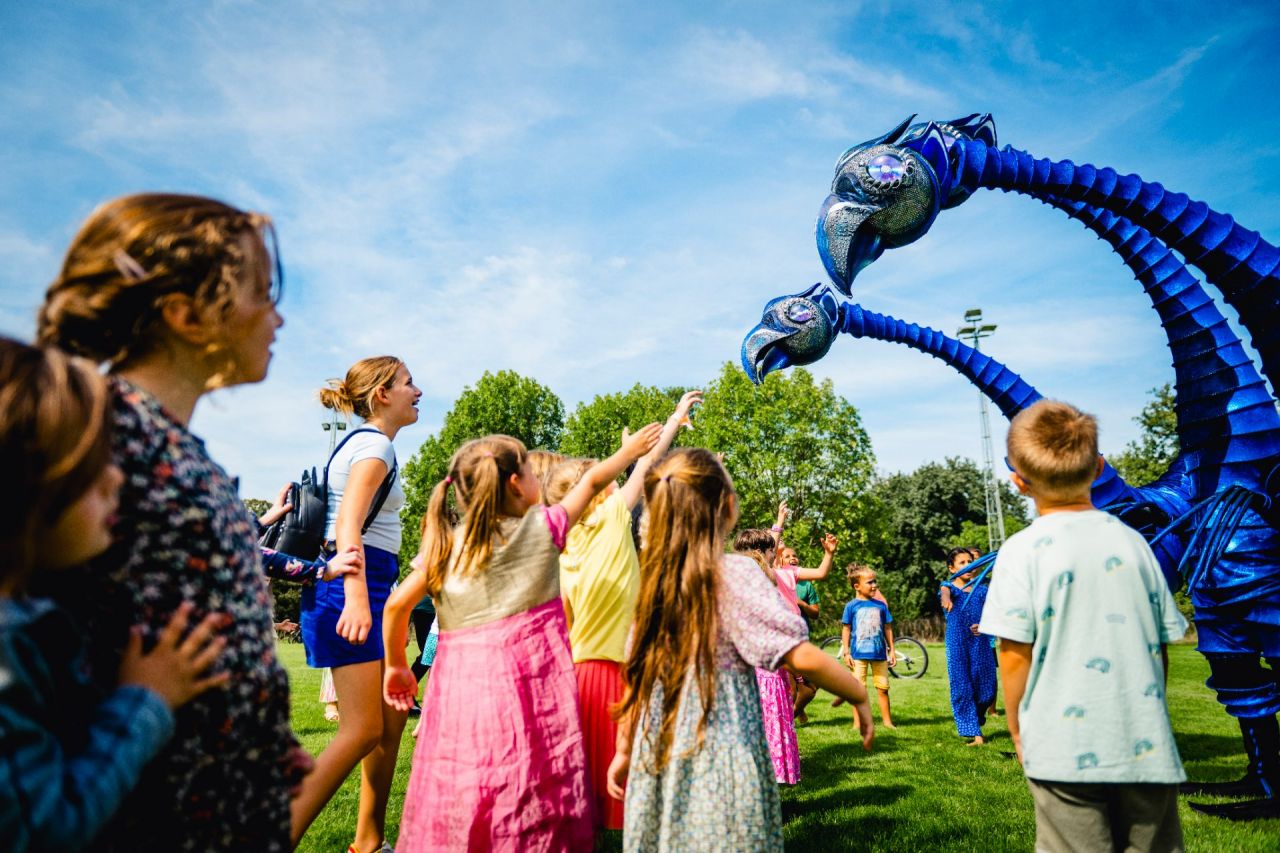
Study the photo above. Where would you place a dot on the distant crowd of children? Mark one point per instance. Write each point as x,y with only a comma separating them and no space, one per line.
578,683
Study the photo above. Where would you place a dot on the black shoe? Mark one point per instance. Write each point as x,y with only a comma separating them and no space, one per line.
1248,810
1246,786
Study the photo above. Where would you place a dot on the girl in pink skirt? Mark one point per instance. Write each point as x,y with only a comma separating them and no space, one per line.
500,762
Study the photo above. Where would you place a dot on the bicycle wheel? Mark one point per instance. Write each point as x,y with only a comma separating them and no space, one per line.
831,645
913,660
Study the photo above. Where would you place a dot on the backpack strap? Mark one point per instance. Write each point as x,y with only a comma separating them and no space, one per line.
380,497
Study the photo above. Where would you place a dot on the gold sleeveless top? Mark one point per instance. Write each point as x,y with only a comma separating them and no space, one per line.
522,573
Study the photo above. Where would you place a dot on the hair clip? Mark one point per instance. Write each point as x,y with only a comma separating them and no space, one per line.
447,479
129,268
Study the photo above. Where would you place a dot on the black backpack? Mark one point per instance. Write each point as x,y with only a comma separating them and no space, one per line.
300,531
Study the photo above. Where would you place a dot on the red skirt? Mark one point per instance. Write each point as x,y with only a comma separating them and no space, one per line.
599,689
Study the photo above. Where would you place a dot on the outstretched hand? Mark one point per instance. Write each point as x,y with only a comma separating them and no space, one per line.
829,543
642,442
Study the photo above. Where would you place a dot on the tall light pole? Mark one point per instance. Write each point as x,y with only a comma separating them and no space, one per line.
971,333
332,426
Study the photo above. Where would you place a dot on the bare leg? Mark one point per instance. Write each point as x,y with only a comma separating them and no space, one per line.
377,771
885,717
804,695
359,689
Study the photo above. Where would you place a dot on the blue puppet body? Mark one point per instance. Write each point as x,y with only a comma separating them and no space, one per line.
1211,518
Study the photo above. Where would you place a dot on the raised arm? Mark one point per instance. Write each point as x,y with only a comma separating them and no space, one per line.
781,522
829,543
605,472
633,490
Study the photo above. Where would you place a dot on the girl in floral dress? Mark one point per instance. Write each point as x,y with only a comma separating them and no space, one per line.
500,762
177,295
691,753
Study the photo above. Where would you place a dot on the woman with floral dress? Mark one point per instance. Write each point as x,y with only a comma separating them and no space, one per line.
177,295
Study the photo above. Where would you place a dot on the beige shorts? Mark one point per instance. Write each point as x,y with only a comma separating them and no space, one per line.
879,672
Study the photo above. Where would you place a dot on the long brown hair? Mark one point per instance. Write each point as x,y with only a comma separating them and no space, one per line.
355,393
477,474
691,511
54,442
136,251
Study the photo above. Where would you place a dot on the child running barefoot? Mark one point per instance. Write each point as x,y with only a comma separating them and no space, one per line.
500,762
599,579
691,750
971,668
866,640
70,754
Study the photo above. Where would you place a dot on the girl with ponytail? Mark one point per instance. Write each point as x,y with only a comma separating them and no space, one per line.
691,747
342,622
500,762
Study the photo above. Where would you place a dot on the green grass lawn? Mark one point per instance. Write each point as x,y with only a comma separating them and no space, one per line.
920,789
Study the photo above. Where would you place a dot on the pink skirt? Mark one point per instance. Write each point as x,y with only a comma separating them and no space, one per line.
500,762
778,715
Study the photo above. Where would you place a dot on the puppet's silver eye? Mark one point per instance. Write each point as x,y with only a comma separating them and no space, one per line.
799,312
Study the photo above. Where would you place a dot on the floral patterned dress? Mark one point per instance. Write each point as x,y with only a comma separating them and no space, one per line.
184,535
722,796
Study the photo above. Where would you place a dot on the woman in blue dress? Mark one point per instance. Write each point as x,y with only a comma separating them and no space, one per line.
971,666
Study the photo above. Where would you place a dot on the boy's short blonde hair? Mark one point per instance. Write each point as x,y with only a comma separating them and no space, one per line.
1054,448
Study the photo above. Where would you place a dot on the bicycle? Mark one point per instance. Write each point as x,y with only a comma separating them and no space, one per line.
912,657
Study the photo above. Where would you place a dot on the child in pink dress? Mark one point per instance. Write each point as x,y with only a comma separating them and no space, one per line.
500,762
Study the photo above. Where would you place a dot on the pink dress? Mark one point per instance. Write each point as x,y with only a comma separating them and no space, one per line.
776,708
500,762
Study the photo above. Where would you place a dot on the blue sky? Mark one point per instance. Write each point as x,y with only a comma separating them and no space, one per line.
597,193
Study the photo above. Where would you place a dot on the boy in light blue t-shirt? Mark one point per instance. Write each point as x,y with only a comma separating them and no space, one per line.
1084,614
866,638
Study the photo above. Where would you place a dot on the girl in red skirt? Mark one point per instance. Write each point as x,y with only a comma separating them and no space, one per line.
599,579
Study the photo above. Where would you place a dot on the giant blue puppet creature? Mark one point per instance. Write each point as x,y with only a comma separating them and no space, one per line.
1212,518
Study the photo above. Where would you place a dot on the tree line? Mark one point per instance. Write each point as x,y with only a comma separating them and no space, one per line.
791,438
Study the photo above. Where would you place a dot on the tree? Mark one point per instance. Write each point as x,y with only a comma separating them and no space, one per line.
504,402
1145,460
795,439
934,508
595,429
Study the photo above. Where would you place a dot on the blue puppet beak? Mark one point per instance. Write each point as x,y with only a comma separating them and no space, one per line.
846,247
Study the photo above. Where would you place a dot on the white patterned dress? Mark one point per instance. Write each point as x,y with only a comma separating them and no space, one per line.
723,796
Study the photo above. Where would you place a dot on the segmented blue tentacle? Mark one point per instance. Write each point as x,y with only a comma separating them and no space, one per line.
1243,266
1006,389
1219,391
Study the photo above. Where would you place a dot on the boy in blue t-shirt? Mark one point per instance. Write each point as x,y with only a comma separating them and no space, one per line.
866,640
1083,615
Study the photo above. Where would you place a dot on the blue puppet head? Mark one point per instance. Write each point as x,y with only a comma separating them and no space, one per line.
793,330
887,192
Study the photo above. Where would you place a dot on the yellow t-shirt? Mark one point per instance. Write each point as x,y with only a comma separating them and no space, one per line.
600,578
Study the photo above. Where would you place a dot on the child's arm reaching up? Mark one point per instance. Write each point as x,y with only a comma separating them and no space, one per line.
605,472
54,799
633,490
829,543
